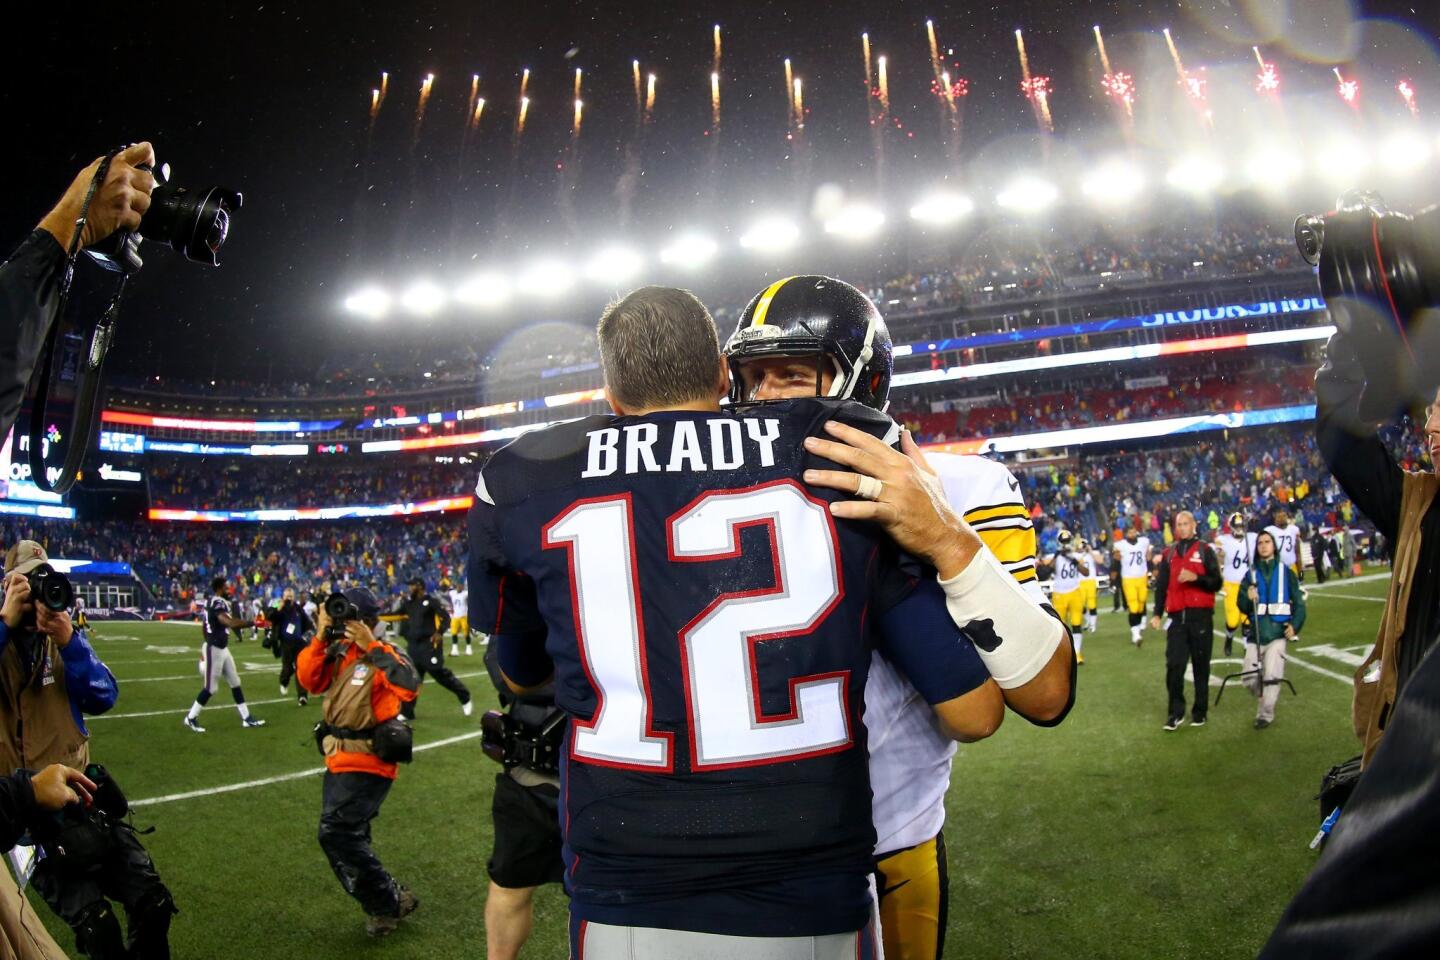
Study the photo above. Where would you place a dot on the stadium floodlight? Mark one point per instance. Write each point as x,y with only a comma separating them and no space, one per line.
614,265
689,251
942,209
855,221
1405,152
423,298
1273,169
371,302
546,279
1114,183
1342,161
488,289
1198,175
1028,195
771,235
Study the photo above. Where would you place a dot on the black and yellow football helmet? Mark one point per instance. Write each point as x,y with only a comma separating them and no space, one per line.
823,318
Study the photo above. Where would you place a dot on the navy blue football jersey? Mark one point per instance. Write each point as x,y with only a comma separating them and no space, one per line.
706,619
216,633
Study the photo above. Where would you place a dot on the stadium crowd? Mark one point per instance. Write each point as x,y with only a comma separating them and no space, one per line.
228,483
991,271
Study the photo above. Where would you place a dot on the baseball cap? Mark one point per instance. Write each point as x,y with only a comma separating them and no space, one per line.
24,557
364,601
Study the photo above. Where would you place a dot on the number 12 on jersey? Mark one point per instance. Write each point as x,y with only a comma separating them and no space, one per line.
717,648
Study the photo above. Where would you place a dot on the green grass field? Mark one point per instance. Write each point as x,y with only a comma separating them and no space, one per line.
1105,837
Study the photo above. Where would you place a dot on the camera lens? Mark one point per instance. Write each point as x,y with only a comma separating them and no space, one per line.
51,588
337,606
194,223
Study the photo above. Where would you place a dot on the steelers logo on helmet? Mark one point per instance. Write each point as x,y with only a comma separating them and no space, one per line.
1066,538
1237,521
819,319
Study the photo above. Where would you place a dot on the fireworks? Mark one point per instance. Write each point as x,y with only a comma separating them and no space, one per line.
1349,90
578,74
1268,79
579,111
1192,84
950,89
649,96
935,67
524,83
865,48
479,109
715,59
884,87
789,87
524,111
715,101
425,88
1407,93
1120,86
635,71
1035,88
799,100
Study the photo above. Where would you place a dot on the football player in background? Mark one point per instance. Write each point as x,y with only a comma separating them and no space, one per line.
459,598
1070,565
1287,541
216,660
675,519
1236,550
808,341
1134,554
1090,586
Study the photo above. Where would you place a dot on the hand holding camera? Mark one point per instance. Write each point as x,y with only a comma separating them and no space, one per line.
119,204
58,785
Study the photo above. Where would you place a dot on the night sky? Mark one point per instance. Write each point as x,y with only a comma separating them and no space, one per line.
272,99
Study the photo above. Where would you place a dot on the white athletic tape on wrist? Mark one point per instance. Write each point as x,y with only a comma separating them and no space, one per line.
995,611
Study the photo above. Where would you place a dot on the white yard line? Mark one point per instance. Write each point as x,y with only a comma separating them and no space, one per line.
1290,658
253,703
1348,596
282,778
1346,581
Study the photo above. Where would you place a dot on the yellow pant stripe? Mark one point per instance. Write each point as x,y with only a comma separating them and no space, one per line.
914,896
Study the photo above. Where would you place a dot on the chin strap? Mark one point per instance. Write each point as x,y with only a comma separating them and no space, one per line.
69,368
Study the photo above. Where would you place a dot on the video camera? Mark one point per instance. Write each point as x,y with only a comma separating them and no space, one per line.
509,742
1379,271
50,587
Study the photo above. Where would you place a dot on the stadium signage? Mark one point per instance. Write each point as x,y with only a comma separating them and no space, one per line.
232,426
288,514
1237,311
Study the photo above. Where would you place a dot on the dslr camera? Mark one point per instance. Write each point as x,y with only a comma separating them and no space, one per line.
192,222
340,611
50,587
1379,271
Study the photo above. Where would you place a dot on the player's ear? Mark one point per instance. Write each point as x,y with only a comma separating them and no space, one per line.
723,387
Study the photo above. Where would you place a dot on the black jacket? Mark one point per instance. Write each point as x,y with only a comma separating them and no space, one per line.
291,625
420,614
29,300
1372,479
17,807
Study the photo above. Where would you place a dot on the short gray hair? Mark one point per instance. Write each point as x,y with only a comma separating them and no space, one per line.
659,348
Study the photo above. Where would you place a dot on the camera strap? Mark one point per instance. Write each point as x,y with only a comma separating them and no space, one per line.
67,380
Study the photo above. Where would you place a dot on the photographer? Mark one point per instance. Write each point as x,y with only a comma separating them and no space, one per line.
1270,596
524,810
30,280
365,682
25,799
425,621
42,722
290,630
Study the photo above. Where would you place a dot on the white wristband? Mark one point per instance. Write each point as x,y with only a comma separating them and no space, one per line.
986,602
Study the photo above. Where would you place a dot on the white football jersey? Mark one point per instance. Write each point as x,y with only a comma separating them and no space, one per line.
1287,542
459,603
1235,554
1134,558
910,755
1067,573
1097,563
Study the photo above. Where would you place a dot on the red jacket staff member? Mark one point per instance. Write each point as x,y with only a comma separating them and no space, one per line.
1185,587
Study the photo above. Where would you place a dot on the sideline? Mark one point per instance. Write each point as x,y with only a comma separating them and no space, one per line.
1291,658
282,778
